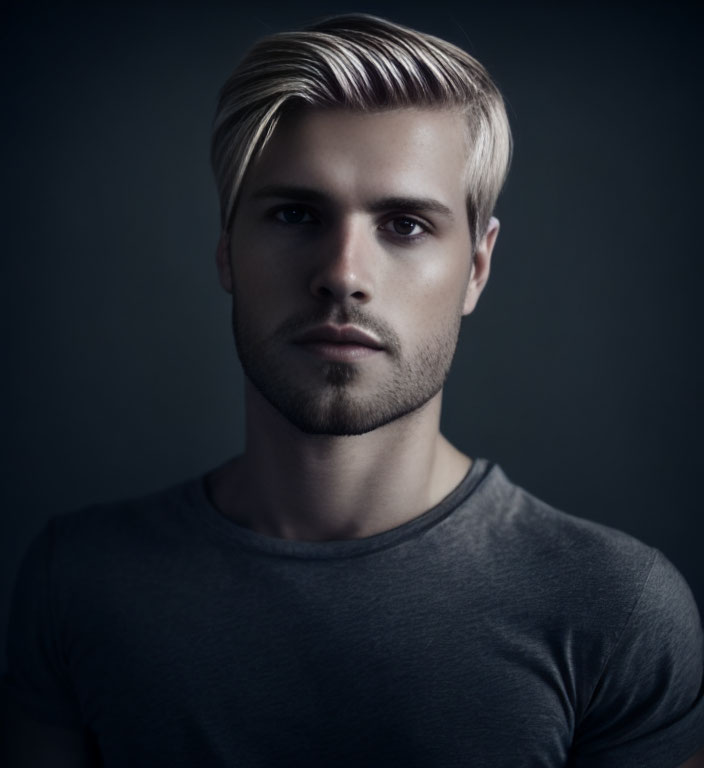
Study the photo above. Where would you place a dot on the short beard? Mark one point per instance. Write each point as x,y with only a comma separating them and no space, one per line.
333,408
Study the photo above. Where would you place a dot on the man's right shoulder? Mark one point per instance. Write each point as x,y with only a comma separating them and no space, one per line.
136,527
136,511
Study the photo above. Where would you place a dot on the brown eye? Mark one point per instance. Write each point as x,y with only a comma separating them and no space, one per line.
404,226
293,215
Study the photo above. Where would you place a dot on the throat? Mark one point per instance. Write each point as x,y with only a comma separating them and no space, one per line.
323,499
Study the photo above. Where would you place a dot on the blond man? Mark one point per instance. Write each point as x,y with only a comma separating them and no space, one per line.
352,590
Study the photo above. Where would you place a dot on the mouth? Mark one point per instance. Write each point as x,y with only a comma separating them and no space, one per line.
342,344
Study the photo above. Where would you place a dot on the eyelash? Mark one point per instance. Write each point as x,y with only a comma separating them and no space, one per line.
425,228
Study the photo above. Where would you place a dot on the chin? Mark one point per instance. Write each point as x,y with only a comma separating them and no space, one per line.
341,415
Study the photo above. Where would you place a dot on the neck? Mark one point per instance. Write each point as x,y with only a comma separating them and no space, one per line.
318,487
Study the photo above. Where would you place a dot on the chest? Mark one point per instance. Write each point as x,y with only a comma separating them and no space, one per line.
267,668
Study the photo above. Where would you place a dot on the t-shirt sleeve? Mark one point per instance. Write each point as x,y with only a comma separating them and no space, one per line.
37,682
647,709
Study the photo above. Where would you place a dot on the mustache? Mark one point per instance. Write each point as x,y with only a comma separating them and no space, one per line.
352,315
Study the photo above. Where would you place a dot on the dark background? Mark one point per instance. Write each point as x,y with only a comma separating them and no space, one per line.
580,371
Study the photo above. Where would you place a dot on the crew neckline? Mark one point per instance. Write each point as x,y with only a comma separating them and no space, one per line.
321,550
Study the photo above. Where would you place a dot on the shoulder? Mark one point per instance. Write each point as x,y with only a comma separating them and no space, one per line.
137,515
81,545
552,543
605,582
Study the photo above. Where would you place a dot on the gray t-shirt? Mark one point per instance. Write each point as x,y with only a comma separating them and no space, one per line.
490,631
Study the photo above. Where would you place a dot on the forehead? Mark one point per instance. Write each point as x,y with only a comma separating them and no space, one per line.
355,154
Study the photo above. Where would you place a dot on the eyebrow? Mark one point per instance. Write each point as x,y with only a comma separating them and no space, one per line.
395,202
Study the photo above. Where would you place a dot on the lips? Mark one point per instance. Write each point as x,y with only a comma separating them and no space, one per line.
346,335
339,343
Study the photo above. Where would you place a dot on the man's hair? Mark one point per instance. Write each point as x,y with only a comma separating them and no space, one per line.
362,63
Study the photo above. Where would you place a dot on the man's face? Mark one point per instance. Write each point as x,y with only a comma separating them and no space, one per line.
350,265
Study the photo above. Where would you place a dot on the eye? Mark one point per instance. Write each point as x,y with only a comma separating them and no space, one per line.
293,214
405,227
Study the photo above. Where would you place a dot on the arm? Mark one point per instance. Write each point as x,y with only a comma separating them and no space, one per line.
49,731
648,707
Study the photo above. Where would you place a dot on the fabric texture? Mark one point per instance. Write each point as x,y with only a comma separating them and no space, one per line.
490,631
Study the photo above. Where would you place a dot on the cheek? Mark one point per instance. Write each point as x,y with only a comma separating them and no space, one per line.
440,289
262,295
258,277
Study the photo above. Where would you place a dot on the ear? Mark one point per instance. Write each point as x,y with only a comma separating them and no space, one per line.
480,267
223,262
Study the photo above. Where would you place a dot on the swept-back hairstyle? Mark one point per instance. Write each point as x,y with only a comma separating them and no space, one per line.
362,63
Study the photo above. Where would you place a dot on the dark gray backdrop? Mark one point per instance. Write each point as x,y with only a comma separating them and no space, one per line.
580,371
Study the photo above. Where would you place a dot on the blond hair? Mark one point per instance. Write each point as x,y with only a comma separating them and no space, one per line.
362,63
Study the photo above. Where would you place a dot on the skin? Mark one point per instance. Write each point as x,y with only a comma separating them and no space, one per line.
347,255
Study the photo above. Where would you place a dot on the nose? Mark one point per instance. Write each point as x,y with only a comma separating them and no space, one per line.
345,265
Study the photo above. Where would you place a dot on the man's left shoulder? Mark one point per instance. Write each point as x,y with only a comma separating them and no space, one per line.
588,565
542,535
597,549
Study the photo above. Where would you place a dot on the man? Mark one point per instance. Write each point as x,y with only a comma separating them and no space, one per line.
352,590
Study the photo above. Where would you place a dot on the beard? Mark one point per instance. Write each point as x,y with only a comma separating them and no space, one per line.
331,404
